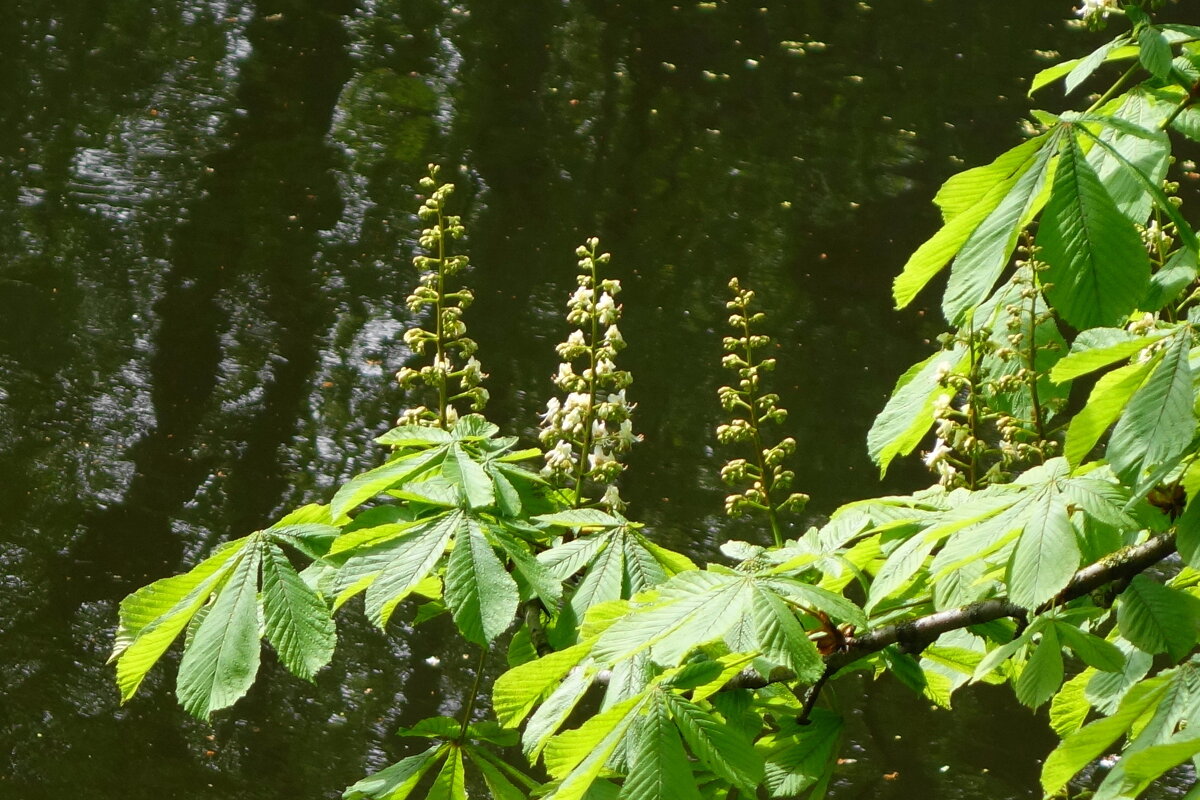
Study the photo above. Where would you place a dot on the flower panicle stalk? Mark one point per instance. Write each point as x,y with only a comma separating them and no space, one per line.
764,479
588,428
980,436
454,374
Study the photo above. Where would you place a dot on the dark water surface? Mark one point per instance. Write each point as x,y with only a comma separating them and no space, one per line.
205,239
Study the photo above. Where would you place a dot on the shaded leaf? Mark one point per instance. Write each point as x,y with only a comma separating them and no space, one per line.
299,624
1159,422
1157,618
478,589
659,768
1043,673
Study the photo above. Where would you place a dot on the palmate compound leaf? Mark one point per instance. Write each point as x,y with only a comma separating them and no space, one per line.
469,476
154,616
367,485
220,664
1108,399
799,757
659,767
479,591
1043,673
1046,554
298,622
451,782
1097,267
782,639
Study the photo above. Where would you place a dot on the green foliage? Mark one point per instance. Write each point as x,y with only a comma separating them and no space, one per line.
636,673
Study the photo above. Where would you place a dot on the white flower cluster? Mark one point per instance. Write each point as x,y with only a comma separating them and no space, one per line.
589,427
1092,9
448,340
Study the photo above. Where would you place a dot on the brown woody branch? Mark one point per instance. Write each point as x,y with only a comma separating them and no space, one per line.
914,635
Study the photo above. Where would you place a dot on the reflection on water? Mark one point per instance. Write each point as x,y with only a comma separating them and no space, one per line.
204,240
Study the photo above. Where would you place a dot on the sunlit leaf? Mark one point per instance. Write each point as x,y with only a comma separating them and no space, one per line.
368,484
222,661
1043,673
988,249
399,780
1082,747
470,477
517,691
1108,399
154,616
908,415
1097,267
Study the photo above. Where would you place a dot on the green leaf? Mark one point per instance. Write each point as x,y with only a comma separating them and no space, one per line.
1091,649
1082,747
659,768
900,566
1159,421
1046,554
967,200
299,624
554,712
474,427
1043,673
718,746
602,582
987,251
579,518
781,637
694,608
801,756
1091,62
817,599
1105,690
390,571
908,414
1135,154
1157,618
1082,361
222,661
517,691
397,781
1070,707
368,484
451,782
1187,533
1097,267
480,592
471,478
415,436
577,756
1146,765
154,616
1165,285
526,567
1154,52
1108,399
499,785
